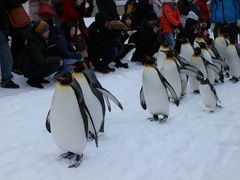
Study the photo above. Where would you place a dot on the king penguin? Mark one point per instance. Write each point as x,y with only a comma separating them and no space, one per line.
198,62
93,93
233,61
69,118
153,94
171,73
186,52
208,94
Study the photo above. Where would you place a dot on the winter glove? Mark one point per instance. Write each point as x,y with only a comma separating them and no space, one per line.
212,27
238,23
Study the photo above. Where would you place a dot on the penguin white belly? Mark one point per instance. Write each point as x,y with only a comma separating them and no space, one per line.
160,56
92,102
233,61
208,97
170,72
155,93
186,52
220,45
67,127
198,63
210,72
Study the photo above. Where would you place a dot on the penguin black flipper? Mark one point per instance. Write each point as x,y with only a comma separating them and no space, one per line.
78,92
92,123
213,90
110,96
213,67
238,50
93,83
84,110
167,86
181,60
191,70
108,103
142,99
48,127
220,62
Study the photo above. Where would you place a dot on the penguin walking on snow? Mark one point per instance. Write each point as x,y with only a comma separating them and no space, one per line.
233,61
153,94
68,120
93,94
208,94
198,62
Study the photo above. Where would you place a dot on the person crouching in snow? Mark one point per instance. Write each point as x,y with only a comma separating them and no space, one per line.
103,43
170,21
37,62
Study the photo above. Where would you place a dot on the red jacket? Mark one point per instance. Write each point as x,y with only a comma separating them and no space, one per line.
170,19
204,12
75,16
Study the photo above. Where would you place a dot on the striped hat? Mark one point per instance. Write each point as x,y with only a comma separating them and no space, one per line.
40,27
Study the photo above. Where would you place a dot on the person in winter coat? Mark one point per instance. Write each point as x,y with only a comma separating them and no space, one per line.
225,15
157,8
144,7
34,9
17,34
5,51
204,17
191,26
103,43
109,7
67,49
147,39
39,62
170,20
74,11
185,6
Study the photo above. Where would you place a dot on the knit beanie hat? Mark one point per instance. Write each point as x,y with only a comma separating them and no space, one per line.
40,27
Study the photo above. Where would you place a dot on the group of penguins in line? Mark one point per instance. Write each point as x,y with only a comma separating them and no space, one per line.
78,105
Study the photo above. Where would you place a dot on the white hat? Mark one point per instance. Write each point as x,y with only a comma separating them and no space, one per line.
192,15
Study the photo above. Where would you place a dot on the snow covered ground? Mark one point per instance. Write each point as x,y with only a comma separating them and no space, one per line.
192,145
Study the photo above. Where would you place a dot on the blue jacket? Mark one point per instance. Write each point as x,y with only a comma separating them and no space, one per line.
225,11
67,49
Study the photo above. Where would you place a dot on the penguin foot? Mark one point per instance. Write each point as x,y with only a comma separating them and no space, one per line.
234,80
67,155
76,161
163,119
91,136
196,92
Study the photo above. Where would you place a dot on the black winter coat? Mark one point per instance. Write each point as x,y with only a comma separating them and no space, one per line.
4,24
38,53
146,41
100,40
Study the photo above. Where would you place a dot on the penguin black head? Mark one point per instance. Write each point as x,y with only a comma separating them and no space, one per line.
202,45
209,41
65,78
79,66
169,53
150,61
202,80
197,51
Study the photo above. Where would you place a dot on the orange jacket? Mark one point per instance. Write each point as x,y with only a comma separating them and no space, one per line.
170,19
